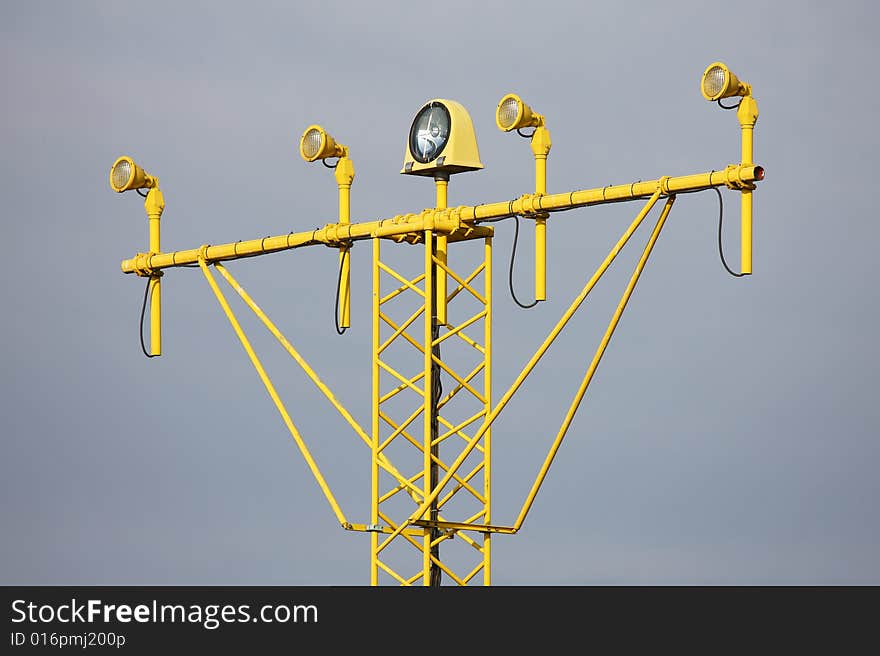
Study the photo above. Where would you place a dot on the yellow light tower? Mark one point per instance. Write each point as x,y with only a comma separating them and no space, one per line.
422,496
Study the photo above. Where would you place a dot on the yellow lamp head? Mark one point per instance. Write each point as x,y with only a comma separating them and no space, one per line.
316,143
441,140
512,114
720,82
126,175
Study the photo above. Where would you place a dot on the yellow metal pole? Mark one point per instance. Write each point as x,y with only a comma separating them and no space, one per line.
429,406
588,377
541,144
154,206
344,177
487,393
270,388
748,116
442,182
529,366
374,466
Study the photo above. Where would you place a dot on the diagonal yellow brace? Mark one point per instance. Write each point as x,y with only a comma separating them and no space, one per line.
406,324
476,370
600,351
383,460
404,381
468,280
401,289
397,390
401,279
274,395
461,381
460,327
458,279
418,346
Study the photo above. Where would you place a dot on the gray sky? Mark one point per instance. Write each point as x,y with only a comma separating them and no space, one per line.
731,433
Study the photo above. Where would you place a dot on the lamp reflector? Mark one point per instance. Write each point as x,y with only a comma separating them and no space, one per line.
429,132
715,81
509,112
121,174
312,142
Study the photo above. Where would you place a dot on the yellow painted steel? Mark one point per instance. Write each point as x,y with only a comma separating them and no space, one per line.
541,144
453,221
344,177
154,204
270,388
747,114
487,392
374,422
429,411
431,564
442,183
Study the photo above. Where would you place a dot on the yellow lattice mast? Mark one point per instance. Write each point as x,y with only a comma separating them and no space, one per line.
431,463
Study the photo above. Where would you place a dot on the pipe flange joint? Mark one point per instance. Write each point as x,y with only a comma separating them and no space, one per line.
733,178
663,183
142,266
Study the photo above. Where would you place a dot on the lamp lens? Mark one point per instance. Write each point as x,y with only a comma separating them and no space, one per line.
429,132
311,143
508,113
714,81
121,174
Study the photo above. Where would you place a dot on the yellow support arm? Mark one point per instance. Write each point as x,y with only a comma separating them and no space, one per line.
451,220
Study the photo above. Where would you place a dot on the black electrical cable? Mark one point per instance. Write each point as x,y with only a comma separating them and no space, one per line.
339,330
140,194
510,274
720,248
143,311
524,135
723,106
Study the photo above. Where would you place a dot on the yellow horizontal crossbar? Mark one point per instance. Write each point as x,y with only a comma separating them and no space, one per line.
446,220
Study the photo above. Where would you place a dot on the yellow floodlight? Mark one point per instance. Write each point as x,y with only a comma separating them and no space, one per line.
316,143
720,82
126,175
512,114
441,140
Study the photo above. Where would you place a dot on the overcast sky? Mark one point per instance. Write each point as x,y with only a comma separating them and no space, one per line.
731,433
